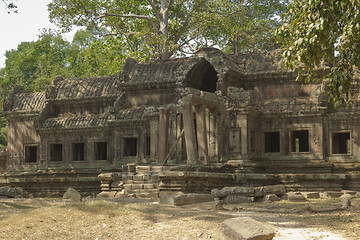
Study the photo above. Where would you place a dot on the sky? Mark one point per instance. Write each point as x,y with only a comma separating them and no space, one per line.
24,26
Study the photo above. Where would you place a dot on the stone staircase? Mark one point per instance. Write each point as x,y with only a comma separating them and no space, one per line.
133,181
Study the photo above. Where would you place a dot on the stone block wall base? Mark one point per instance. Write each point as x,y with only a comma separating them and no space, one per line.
179,199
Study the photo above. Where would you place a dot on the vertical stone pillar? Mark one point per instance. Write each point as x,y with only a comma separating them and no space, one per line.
141,144
317,140
189,131
201,134
163,134
241,121
179,144
154,127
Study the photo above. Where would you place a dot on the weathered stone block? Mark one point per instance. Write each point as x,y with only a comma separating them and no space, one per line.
296,197
271,189
137,186
242,191
178,199
234,199
143,168
149,185
334,194
244,228
311,195
73,195
271,198
355,202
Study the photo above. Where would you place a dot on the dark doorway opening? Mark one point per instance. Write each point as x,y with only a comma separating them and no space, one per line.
147,146
130,147
30,154
341,143
300,141
272,142
78,150
100,150
56,152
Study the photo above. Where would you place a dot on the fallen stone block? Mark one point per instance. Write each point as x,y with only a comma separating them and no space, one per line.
270,189
112,176
179,199
271,198
352,193
355,202
345,200
13,192
244,228
311,195
226,191
111,194
73,195
296,197
234,199
334,194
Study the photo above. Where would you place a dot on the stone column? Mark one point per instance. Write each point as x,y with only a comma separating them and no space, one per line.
241,121
154,127
179,146
141,144
201,134
189,131
163,134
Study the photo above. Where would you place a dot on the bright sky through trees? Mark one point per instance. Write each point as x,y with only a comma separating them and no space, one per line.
23,26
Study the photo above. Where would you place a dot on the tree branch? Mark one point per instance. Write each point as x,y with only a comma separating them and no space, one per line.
154,9
105,15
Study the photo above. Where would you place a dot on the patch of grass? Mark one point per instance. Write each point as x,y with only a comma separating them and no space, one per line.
96,206
17,206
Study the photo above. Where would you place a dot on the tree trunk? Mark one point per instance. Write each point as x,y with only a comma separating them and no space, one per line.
164,29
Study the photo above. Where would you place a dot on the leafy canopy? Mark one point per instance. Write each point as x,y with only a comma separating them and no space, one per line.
319,32
160,29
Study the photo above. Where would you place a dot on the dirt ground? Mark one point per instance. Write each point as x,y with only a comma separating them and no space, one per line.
37,218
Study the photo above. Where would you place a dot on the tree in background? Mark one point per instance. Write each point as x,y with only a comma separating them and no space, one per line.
319,32
155,28
161,29
243,25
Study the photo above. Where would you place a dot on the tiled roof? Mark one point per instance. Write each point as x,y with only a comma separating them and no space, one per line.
93,121
159,70
27,102
84,88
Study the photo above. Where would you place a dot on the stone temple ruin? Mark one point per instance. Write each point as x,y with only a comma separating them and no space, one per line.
185,124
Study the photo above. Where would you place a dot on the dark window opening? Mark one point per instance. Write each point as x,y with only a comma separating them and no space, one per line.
300,141
341,143
55,152
30,154
100,150
130,147
147,146
272,142
78,150
252,143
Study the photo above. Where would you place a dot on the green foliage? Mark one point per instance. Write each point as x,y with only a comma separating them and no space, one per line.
319,32
160,29
242,25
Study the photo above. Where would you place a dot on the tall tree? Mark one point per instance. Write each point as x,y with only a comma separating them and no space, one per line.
319,32
156,27
241,25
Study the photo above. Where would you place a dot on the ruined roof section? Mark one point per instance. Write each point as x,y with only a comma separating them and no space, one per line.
94,87
25,102
171,70
94,121
259,62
